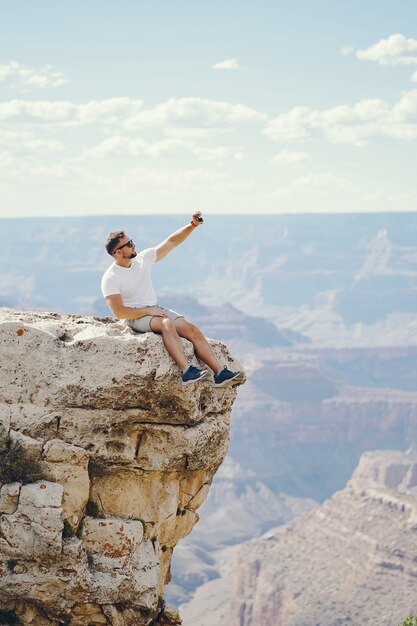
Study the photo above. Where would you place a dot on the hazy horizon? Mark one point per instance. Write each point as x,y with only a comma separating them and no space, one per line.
206,215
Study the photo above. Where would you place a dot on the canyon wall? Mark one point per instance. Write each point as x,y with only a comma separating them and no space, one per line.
351,561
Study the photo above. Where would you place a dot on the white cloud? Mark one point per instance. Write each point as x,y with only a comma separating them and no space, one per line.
414,77
108,111
325,192
208,115
349,124
38,146
24,78
227,64
162,180
158,182
396,50
346,50
16,146
288,158
219,153
53,173
46,110
324,182
196,132
29,176
198,111
126,146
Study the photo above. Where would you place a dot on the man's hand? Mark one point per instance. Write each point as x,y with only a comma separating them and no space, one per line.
197,218
157,312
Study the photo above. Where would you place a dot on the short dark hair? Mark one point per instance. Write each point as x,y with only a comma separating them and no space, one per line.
112,241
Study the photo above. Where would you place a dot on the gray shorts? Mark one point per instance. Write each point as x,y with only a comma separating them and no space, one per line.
141,324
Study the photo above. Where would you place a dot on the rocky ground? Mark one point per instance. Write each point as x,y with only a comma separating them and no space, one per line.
105,460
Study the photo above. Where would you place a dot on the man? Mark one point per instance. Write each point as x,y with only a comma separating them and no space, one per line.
128,290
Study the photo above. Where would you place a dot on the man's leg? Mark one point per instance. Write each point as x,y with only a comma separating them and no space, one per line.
166,327
201,346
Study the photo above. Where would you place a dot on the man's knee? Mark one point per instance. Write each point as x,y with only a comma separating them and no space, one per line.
167,325
162,324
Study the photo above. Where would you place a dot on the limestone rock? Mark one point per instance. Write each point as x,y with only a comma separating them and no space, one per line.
121,561
34,530
68,465
9,497
353,560
127,456
78,363
390,468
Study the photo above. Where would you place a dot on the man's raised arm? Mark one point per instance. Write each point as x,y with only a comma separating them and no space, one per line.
178,237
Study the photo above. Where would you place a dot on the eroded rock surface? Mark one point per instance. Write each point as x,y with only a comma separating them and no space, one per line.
126,456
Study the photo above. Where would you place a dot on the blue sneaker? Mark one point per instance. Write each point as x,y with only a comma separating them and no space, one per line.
226,378
193,374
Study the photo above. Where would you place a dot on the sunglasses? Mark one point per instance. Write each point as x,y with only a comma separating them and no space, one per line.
129,244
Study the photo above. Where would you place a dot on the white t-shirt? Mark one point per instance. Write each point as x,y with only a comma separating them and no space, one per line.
133,283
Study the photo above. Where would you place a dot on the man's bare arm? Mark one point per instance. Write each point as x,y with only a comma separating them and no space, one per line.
178,237
115,303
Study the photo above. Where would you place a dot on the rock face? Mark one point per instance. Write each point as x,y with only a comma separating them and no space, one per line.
311,444
352,561
125,454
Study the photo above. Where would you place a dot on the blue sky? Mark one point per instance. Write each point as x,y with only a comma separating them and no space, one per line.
231,107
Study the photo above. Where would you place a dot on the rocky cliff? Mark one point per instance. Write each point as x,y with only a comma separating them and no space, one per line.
352,561
105,459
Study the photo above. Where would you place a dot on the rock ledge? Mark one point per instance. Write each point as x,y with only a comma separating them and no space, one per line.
126,456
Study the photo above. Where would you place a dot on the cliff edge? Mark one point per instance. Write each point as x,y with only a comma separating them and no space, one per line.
104,461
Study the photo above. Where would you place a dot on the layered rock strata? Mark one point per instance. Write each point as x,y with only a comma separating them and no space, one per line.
352,561
311,445
115,457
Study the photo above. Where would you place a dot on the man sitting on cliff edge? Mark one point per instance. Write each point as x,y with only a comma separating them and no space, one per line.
127,287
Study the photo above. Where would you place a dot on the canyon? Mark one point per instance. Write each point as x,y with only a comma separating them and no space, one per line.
351,561
324,319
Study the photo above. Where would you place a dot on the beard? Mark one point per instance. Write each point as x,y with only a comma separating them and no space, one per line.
132,255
